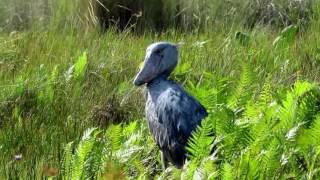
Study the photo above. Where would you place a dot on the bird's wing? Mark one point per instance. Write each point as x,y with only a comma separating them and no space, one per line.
178,109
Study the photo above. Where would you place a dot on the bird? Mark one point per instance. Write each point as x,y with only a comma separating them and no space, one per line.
171,112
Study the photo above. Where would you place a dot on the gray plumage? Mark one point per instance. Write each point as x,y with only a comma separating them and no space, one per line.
171,112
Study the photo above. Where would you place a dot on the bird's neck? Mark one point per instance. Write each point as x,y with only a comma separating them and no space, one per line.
157,86
157,81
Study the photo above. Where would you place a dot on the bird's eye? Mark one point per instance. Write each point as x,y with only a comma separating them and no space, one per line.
158,51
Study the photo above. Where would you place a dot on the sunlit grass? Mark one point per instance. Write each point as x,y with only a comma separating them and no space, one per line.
59,80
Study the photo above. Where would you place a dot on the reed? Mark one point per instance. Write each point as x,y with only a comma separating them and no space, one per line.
160,15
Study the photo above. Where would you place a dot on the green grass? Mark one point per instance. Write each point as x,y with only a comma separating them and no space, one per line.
58,83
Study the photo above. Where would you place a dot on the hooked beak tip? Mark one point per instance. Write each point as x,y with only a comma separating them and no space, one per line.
136,82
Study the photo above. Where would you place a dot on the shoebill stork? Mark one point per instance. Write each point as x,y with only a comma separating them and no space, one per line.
171,112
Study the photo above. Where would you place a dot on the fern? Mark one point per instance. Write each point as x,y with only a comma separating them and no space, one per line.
269,159
247,167
82,152
310,137
243,90
80,66
224,120
131,129
227,172
207,95
67,161
114,135
260,129
261,114
309,106
265,97
200,143
208,168
252,113
47,95
268,140
288,114
74,165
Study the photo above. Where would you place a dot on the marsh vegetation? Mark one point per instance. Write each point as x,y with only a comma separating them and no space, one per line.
69,110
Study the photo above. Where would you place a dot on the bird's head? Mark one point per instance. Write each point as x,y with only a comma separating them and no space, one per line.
161,59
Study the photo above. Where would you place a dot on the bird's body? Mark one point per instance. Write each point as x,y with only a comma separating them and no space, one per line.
172,115
171,112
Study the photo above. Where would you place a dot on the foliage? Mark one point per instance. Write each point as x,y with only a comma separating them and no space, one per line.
260,88
280,13
274,140
224,144
16,15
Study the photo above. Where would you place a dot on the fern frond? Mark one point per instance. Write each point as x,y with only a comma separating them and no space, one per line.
246,166
269,159
243,90
84,148
289,112
206,95
125,154
200,143
265,97
191,167
310,137
224,120
130,129
114,135
309,106
80,66
227,172
67,161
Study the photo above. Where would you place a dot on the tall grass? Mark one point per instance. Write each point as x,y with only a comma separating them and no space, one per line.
59,80
190,15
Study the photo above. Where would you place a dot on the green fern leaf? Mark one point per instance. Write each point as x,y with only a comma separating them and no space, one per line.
84,148
80,66
289,112
115,136
243,91
200,143
227,172
67,161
